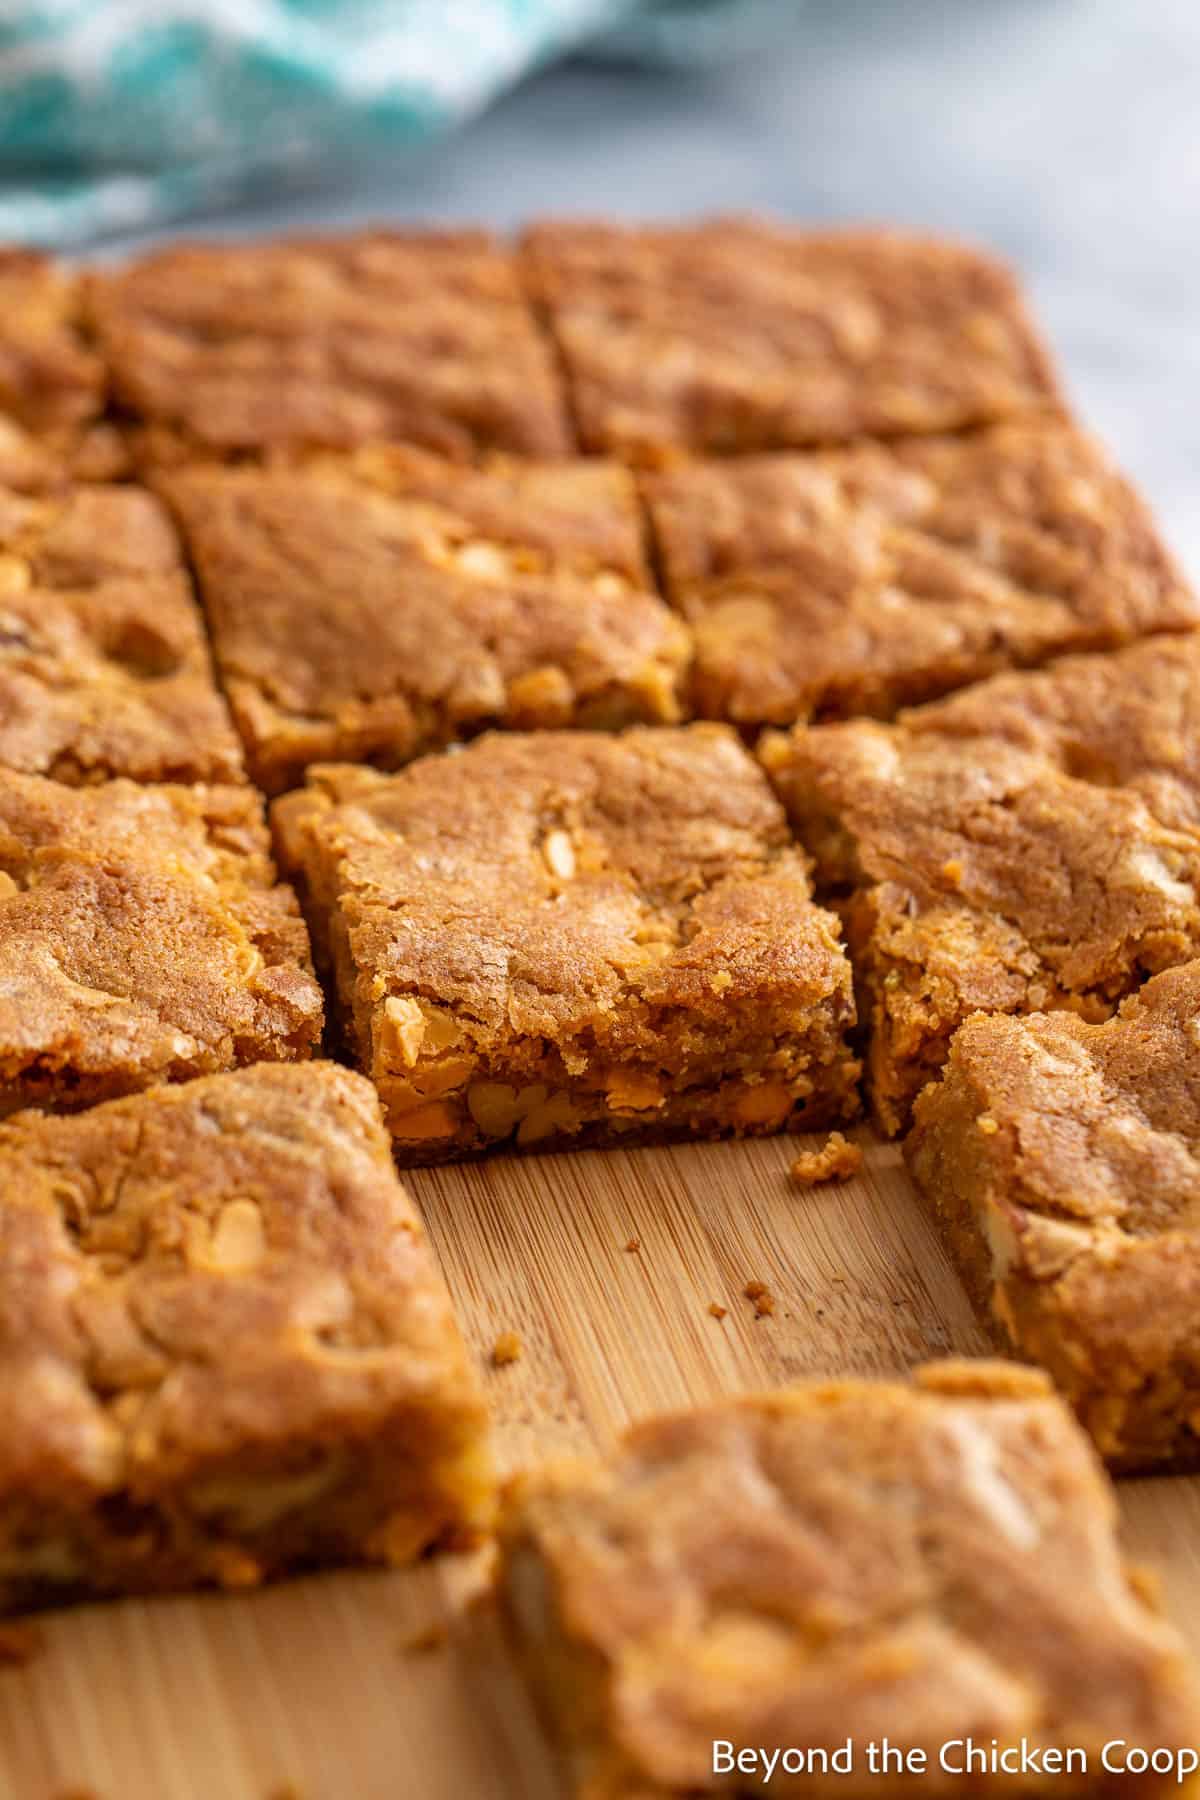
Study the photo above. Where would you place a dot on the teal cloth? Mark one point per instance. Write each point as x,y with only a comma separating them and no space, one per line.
116,115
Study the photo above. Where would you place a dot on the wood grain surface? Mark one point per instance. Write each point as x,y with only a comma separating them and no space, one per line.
605,1265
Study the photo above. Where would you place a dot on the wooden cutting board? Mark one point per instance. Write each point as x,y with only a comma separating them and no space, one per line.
396,1687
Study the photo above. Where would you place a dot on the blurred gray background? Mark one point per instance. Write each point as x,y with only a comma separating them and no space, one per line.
1064,133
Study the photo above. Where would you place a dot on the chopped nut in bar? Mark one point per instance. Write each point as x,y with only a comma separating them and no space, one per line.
549,940
420,336
837,582
225,1349
1062,1160
104,666
368,608
736,334
928,1562
143,938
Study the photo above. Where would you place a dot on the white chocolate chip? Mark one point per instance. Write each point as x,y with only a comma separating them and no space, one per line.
559,855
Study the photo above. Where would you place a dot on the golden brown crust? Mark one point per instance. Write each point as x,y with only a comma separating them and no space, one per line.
738,334
928,1562
1063,1161
50,380
143,938
370,607
976,876
853,581
104,668
1129,721
225,1350
572,938
422,336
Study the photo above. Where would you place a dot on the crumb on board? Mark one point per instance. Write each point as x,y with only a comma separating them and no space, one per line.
836,1160
507,1349
20,1642
717,1310
634,1244
763,1298
432,1637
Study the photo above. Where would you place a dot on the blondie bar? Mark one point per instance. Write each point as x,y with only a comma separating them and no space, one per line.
851,581
574,938
737,334
976,875
368,607
425,336
143,938
929,1562
1063,1161
104,667
225,1350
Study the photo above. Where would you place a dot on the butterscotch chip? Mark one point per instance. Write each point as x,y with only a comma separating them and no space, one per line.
574,1008
1062,1160
143,938
1023,847
104,667
928,1562
741,335
854,581
172,1418
368,608
420,336
837,1160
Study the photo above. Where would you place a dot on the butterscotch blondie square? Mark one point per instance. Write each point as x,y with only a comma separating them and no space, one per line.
369,607
225,1349
420,336
1062,1160
976,875
570,938
104,666
836,582
929,1562
143,938
738,334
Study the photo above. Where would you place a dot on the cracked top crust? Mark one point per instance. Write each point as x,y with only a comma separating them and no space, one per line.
203,1274
851,581
104,668
737,334
1097,1127
1131,720
142,938
372,606
841,1559
615,899
981,877
423,336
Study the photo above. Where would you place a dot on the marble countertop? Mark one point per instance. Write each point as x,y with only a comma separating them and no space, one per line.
1064,133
